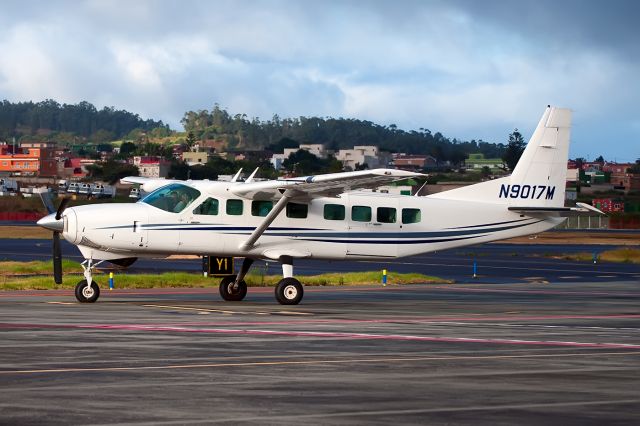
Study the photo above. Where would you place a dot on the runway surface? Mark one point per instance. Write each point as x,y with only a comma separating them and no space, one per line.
496,263
519,353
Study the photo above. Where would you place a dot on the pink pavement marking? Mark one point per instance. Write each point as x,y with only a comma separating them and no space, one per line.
326,334
366,336
312,289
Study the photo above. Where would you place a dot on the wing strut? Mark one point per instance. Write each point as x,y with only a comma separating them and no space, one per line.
280,205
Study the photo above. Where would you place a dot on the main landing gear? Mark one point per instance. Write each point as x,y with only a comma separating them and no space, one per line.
288,291
85,292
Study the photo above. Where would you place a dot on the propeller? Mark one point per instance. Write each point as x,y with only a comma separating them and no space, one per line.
54,222
57,251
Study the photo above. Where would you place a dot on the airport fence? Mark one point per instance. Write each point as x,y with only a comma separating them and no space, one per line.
585,222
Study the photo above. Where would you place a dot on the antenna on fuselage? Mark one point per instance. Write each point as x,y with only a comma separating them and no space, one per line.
236,176
250,178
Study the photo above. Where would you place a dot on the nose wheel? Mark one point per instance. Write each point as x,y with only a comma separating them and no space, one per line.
87,293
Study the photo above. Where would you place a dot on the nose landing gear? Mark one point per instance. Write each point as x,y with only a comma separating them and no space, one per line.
87,291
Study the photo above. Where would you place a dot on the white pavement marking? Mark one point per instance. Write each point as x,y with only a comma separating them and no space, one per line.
275,419
313,362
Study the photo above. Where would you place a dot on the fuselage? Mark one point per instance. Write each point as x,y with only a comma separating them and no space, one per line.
354,225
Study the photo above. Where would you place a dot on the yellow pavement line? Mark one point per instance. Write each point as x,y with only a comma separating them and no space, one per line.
205,310
185,308
310,362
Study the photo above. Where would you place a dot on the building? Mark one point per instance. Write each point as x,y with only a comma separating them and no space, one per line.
630,181
276,160
195,158
608,205
30,158
315,149
152,167
413,162
617,168
76,167
477,162
573,175
619,177
359,156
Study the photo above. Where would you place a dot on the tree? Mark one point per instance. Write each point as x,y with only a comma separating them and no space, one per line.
301,163
635,168
283,143
514,150
600,159
485,171
178,170
112,171
104,147
191,140
127,148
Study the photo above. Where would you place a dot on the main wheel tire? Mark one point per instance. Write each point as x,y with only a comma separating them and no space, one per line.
87,294
289,291
230,294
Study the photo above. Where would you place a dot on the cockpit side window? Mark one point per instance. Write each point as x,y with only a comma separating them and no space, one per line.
208,207
172,198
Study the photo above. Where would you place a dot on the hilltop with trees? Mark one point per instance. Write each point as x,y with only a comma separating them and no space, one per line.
83,123
240,132
72,123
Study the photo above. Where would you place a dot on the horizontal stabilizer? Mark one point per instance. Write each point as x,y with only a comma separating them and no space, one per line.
580,209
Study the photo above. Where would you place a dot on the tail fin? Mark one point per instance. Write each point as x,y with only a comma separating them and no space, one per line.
539,178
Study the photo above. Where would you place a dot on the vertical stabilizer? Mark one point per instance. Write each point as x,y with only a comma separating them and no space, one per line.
539,178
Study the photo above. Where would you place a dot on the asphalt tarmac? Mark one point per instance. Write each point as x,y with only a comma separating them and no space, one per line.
522,353
495,263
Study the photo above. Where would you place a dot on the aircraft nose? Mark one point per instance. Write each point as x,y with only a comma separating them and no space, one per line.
50,222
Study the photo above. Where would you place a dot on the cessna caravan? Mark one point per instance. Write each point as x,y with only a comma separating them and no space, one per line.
316,217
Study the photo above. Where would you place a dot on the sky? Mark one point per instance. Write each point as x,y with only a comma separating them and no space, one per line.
473,69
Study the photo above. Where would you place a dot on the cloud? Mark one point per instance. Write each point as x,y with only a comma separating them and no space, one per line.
468,69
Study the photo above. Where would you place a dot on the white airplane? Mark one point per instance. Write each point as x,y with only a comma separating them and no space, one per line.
317,217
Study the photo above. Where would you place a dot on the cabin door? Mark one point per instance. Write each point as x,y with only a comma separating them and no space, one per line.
373,226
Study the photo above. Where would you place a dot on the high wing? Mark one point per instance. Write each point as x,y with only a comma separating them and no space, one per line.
147,184
328,185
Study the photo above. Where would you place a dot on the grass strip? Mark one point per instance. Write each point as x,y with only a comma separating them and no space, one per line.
19,232
620,255
191,280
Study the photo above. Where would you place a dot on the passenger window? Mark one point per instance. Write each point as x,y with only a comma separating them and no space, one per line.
209,207
234,207
261,208
361,214
297,211
334,212
411,216
386,214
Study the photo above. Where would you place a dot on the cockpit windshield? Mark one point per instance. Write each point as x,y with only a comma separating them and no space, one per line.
172,198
